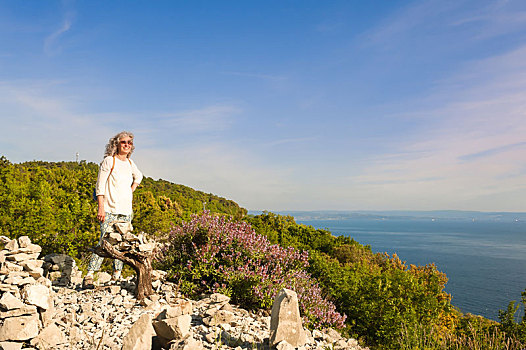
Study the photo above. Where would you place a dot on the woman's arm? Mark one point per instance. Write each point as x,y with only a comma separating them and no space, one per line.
137,175
104,173
100,189
101,214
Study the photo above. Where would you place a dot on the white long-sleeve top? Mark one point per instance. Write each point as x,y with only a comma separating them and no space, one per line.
116,187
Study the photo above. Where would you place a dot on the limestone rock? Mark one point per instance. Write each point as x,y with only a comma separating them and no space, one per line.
46,316
146,247
11,245
219,317
24,241
13,279
50,336
10,345
12,267
30,265
44,281
130,237
19,328
316,334
188,344
24,310
10,302
283,345
140,334
285,320
124,227
36,294
219,298
18,257
37,272
4,287
340,345
31,249
103,278
158,275
22,281
173,328
227,307
114,238
183,308
89,318
333,334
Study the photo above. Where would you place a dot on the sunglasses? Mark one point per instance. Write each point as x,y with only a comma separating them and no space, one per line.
129,142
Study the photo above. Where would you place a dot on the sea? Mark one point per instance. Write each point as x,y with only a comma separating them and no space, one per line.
483,256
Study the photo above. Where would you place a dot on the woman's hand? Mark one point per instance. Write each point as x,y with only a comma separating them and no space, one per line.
101,214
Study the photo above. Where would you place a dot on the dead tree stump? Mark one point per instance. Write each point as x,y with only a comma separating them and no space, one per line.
141,262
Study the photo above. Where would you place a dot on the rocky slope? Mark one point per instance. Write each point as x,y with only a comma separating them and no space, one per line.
62,316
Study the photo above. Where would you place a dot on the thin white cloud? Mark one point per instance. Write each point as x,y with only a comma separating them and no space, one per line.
205,119
331,27
291,140
257,75
404,21
487,20
51,42
494,19
492,151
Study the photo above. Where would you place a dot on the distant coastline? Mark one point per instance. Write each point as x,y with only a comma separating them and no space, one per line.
401,215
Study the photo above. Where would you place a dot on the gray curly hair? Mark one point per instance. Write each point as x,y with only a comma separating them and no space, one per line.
112,148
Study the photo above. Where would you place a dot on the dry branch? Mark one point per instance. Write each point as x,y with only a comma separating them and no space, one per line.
141,262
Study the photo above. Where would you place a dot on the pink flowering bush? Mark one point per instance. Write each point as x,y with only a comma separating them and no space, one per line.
212,254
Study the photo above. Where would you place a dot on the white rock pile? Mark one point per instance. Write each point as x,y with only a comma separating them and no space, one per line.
26,303
110,317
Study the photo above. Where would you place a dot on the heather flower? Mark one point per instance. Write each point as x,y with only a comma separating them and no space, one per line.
216,254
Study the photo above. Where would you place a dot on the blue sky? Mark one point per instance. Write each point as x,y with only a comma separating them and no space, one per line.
279,105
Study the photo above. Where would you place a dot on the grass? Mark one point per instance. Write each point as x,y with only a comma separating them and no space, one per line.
425,338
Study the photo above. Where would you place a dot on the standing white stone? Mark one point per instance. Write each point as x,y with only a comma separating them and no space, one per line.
285,320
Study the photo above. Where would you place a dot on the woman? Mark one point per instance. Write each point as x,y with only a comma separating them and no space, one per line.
118,178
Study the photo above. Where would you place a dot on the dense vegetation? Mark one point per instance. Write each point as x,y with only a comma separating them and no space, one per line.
387,304
52,204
